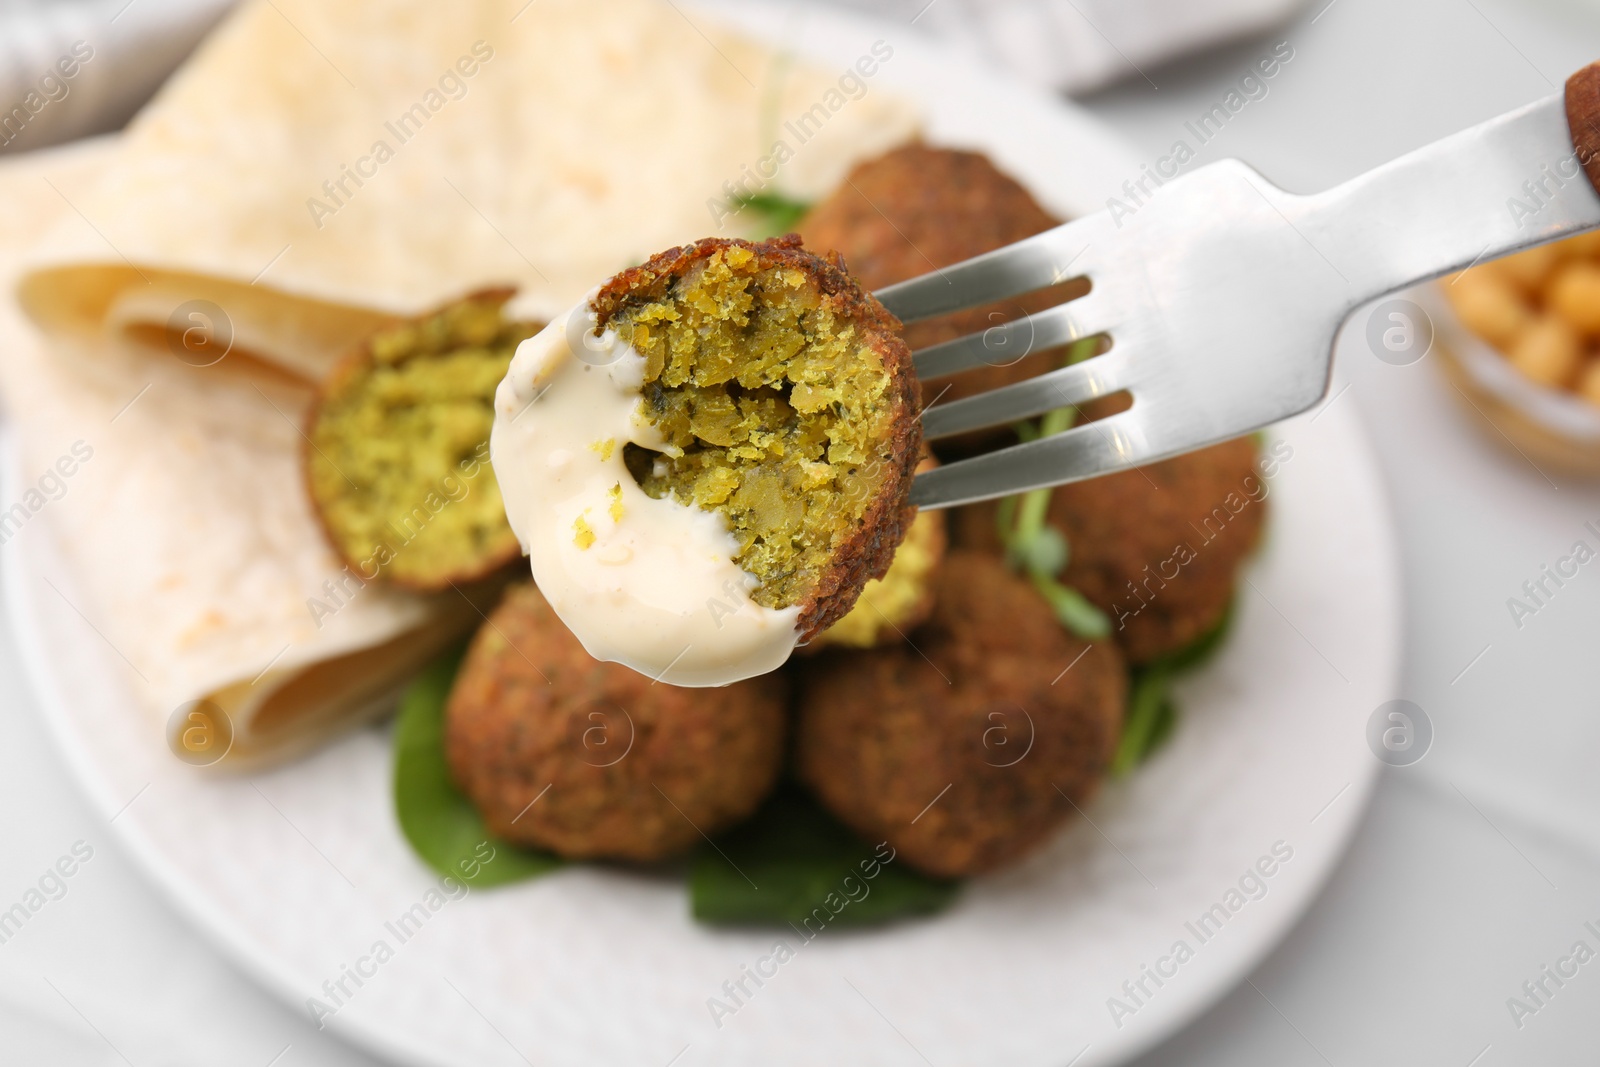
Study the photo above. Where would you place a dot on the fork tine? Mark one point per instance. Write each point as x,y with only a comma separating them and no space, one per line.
1040,261
1096,377
1082,452
995,346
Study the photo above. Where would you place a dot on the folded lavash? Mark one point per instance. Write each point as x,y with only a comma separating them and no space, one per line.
176,497
314,172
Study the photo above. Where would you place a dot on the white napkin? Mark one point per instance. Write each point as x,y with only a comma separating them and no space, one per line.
1077,45
118,52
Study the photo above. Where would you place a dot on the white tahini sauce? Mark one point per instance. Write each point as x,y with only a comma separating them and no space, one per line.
651,584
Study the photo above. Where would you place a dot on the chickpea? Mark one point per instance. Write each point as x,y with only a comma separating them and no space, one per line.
1589,382
1493,268
1530,269
1548,351
1489,306
1574,294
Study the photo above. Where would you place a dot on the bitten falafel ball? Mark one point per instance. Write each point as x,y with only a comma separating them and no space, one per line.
634,771
1157,548
992,699
900,600
787,402
918,208
397,456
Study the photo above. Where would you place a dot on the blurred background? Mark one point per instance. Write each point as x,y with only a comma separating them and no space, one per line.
1473,869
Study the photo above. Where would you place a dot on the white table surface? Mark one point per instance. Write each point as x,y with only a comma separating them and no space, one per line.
1474,868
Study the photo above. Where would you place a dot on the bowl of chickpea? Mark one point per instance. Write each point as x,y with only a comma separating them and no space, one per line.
1520,338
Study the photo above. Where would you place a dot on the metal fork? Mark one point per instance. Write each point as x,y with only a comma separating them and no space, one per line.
1222,294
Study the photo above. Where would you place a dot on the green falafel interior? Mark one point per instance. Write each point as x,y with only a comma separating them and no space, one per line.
774,409
398,462
777,406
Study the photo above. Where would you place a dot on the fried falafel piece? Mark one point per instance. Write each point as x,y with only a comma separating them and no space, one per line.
397,453
634,771
980,704
902,599
787,402
899,601
917,208
1157,548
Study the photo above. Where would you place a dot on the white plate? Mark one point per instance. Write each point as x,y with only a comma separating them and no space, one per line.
298,873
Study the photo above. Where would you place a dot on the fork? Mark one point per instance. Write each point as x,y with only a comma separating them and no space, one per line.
1222,294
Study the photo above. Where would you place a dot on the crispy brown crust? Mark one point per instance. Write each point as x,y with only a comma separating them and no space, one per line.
867,553
938,545
350,366
927,744
1124,533
522,717
917,208
1583,119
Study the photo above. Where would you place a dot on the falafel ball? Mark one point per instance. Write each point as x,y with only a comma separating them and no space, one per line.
1157,548
903,597
397,463
967,746
786,401
918,208
634,771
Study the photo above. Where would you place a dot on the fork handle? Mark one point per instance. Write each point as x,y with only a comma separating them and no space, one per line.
1485,192
1583,119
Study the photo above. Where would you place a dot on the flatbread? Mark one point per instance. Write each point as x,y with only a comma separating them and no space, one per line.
584,137
175,492
343,154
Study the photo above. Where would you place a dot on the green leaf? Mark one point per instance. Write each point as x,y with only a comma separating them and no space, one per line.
1073,610
1080,350
1044,553
1202,648
442,825
782,865
1152,715
773,213
1058,421
1166,722
1033,508
1148,721
1005,517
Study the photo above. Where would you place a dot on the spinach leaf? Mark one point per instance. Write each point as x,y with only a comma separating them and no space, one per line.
794,863
442,825
1148,720
1151,713
1035,547
773,213
1202,648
